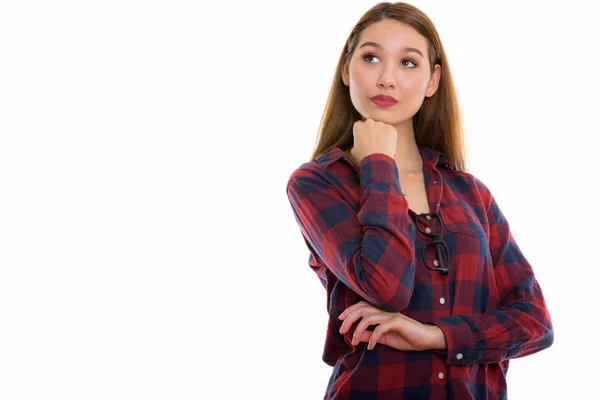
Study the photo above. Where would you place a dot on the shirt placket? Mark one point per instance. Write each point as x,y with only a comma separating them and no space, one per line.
440,283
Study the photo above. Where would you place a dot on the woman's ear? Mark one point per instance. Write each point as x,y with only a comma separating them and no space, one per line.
434,81
345,74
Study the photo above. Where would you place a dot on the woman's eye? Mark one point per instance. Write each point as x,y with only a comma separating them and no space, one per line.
366,57
369,57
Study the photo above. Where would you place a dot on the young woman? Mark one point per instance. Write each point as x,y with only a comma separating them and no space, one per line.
428,294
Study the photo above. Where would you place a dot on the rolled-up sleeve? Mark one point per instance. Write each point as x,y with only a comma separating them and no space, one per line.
371,250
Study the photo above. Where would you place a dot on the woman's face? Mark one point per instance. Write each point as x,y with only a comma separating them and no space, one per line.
390,59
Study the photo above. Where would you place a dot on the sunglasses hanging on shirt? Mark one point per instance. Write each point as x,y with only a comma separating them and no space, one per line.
432,226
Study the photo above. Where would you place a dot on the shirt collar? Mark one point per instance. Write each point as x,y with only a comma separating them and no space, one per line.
430,156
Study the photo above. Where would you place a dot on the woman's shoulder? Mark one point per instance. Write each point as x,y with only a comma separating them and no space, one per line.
470,189
321,166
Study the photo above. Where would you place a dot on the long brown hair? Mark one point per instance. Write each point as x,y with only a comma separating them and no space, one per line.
437,124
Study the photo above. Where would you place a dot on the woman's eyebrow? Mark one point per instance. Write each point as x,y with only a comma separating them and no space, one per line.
407,49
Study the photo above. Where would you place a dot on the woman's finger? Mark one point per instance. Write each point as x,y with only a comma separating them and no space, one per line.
367,321
380,331
352,318
365,336
358,312
348,310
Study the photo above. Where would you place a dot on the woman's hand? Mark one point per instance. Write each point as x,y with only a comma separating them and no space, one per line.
394,329
371,137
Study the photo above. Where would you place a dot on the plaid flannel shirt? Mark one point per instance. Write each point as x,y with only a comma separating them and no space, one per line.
363,245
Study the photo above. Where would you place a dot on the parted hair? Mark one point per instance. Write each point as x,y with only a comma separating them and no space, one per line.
437,124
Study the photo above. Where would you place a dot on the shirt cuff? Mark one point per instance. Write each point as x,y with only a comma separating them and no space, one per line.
463,348
378,168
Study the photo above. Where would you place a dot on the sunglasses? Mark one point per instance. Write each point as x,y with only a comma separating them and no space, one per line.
432,225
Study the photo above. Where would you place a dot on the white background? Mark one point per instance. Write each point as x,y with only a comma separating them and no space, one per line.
147,246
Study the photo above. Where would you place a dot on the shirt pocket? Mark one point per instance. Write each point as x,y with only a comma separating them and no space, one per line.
459,217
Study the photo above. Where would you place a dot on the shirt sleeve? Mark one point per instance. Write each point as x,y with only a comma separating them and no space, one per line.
369,249
522,324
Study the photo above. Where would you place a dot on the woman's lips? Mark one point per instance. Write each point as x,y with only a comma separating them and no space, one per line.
383,103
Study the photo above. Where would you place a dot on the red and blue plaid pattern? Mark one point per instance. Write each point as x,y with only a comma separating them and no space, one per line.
364,245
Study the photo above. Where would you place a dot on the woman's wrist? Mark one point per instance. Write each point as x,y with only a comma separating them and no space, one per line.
438,340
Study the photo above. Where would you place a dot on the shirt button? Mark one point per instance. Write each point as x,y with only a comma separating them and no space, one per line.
441,375
428,230
443,301
436,263
459,356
